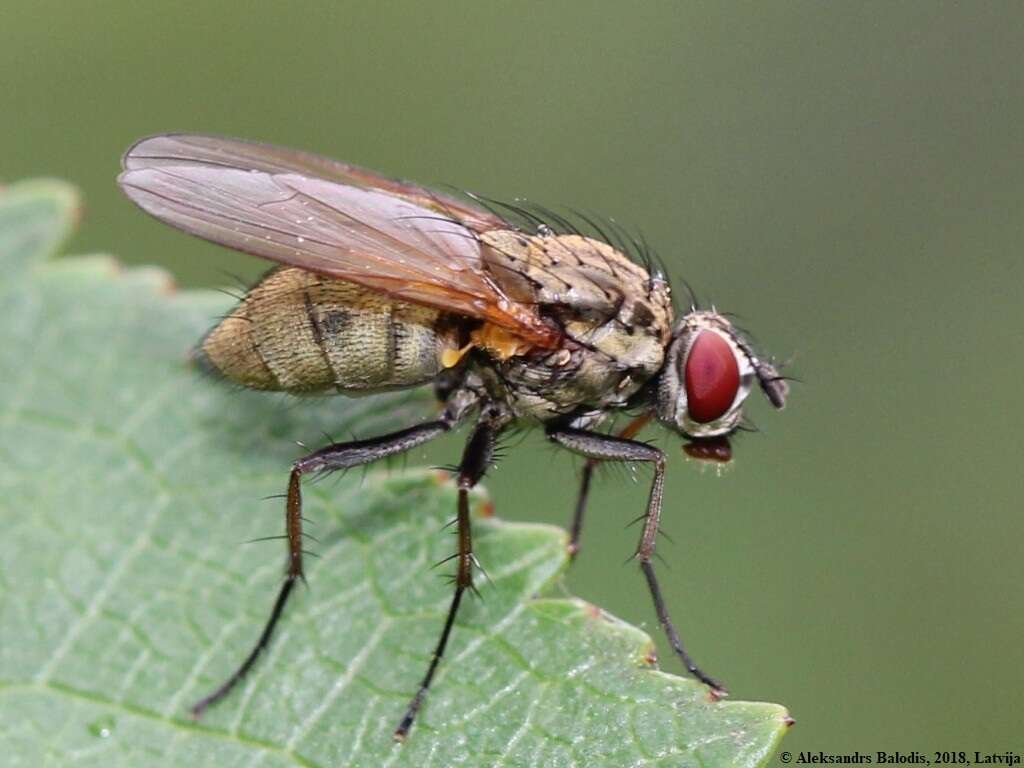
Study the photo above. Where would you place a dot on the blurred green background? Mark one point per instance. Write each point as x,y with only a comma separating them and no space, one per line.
848,177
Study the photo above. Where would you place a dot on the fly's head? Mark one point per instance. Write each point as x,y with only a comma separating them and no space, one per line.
709,371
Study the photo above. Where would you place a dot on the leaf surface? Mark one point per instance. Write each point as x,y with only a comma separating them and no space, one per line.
128,485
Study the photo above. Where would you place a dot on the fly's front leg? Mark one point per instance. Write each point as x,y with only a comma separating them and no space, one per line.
600,447
476,458
575,531
329,459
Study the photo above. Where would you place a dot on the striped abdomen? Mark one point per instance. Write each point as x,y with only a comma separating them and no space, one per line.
300,332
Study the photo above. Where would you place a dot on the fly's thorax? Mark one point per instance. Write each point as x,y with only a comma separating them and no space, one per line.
300,332
577,277
615,317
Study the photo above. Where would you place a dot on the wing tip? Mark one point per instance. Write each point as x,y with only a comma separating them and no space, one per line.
154,147
133,152
134,188
127,187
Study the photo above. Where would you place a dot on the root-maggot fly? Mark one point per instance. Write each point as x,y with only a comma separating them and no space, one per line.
516,315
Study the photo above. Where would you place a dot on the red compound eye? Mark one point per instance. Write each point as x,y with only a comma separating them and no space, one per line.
712,377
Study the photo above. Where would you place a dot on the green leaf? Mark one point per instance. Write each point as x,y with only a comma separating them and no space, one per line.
128,484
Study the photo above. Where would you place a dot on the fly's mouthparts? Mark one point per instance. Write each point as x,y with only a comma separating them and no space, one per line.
717,450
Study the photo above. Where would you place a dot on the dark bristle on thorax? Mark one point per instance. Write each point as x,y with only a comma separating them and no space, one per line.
530,217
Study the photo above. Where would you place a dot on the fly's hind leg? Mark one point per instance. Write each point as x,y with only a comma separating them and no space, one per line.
476,458
594,445
329,459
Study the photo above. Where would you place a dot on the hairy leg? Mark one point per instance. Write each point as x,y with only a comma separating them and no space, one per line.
630,431
600,447
329,459
476,458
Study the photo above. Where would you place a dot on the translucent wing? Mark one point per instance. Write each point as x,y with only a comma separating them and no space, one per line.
181,149
327,217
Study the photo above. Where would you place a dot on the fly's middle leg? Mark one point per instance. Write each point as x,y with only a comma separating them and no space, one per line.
476,458
326,460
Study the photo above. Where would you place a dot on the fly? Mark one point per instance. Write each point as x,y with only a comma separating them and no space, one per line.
515,316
